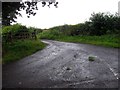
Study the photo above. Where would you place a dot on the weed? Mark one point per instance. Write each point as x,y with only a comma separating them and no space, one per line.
91,58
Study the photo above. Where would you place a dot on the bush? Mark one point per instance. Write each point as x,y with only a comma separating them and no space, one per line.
103,23
14,29
17,31
46,35
19,48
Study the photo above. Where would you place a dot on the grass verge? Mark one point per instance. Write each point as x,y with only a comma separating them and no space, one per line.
19,49
104,40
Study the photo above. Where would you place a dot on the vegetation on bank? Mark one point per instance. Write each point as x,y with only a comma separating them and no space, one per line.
18,48
101,29
104,40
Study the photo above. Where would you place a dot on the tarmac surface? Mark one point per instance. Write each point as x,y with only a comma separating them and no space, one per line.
64,65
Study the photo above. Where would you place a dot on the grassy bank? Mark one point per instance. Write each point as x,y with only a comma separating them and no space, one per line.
19,49
104,40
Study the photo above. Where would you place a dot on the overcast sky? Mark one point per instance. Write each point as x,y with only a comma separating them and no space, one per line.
68,12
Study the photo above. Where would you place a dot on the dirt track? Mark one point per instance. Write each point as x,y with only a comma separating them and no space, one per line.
64,65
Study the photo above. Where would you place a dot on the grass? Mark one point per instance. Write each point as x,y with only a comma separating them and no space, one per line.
19,49
104,40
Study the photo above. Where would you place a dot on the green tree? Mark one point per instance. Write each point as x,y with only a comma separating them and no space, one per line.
101,23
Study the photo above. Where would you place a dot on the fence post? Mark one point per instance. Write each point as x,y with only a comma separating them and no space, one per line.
34,34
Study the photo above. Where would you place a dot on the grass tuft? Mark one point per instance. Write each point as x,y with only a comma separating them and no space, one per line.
91,58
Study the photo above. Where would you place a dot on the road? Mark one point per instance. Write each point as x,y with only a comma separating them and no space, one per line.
64,65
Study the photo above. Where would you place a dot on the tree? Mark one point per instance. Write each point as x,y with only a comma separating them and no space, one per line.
102,23
10,10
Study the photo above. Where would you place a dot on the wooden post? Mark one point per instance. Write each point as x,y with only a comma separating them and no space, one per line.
34,35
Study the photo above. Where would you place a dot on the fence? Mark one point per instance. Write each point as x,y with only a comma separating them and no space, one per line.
20,35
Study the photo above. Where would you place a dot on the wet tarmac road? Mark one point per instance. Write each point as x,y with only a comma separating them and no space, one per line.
64,65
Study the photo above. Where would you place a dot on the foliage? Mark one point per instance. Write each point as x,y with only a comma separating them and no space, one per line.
99,24
9,15
19,49
111,40
13,30
102,29
38,30
47,34
16,30
104,23
9,12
